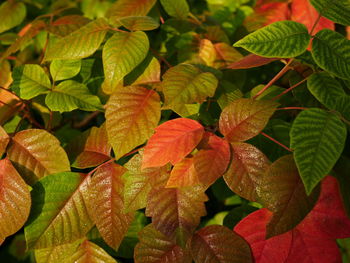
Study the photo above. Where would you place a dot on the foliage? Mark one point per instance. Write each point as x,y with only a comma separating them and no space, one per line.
174,131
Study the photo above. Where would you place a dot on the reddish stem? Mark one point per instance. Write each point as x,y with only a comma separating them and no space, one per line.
289,89
292,108
275,141
134,151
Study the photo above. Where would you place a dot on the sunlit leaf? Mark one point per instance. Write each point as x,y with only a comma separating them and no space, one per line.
4,140
318,138
65,25
172,141
64,69
176,8
15,200
12,14
225,55
135,23
107,209
183,174
338,11
284,39
89,252
37,153
246,170
70,95
245,118
122,8
80,43
150,75
59,214
216,244
132,114
56,254
121,54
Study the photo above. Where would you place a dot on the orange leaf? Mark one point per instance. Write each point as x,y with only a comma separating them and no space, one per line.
251,61
183,174
15,200
172,141
225,55
4,140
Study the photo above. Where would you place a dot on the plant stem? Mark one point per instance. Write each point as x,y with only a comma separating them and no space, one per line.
292,108
275,141
289,89
160,57
277,77
315,24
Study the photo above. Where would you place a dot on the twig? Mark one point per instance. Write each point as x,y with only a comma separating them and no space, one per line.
289,89
86,120
275,141
315,24
292,108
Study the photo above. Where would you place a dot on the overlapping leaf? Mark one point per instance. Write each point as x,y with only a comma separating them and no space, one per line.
246,170
121,54
251,61
150,75
89,252
338,11
245,118
64,69
4,140
183,174
59,214
107,209
156,247
12,14
15,200
318,139
282,192
330,51
56,254
225,55
80,43
65,25
284,39
122,8
70,95
176,8
37,153
132,114
135,23
172,141
216,244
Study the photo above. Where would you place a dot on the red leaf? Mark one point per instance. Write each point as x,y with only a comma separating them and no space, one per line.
172,141
218,244
183,174
251,61
272,11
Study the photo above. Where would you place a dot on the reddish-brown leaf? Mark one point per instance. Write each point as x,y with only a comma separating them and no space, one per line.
15,200
131,116
172,141
183,174
89,252
246,170
251,61
4,140
36,153
218,244
225,55
106,205
123,8
154,247
90,149
244,118
67,24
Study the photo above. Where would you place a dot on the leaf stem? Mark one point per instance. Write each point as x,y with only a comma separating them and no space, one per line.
275,141
289,89
315,24
155,52
292,108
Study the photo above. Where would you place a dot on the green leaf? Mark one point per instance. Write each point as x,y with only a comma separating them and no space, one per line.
121,54
318,139
329,92
12,14
64,69
185,84
80,43
90,252
70,95
30,81
176,8
330,51
284,39
135,23
337,10
59,214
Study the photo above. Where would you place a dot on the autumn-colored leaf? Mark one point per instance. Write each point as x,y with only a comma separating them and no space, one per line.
15,200
132,114
57,253
218,244
65,25
4,140
251,61
225,55
122,8
37,153
12,13
150,75
183,174
172,141
246,170
89,252
245,118
156,247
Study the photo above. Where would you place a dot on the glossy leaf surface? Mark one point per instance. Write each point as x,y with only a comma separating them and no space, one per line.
89,252
64,69
338,11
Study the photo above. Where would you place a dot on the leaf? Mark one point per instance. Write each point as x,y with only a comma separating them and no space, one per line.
318,139
59,214
176,8
216,244
172,141
120,55
135,23
284,39
156,247
90,149
150,75
225,55
12,13
36,154
70,95
251,61
80,43
185,84
245,118
132,113
30,81
107,209
64,69
338,11
56,254
330,51
66,25
246,170
183,174
122,8
4,140
15,200
282,192
88,252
